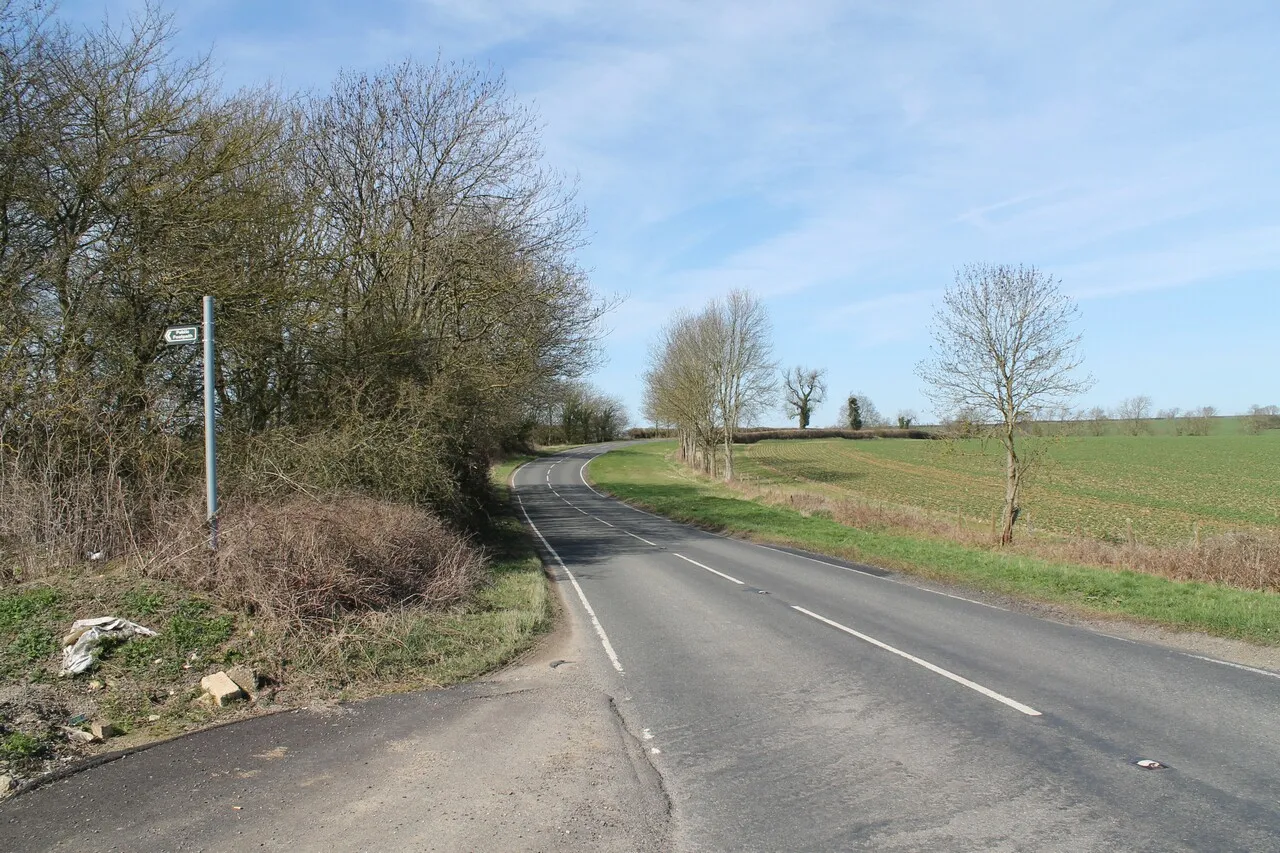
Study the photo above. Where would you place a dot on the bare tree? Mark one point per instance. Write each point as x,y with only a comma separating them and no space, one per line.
1262,418
680,388
805,389
1200,421
1003,344
907,417
708,372
1098,418
745,369
1134,411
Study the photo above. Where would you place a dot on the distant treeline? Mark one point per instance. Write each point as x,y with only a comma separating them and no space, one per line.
751,436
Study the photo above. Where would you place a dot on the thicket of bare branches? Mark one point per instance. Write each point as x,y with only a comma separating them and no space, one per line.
708,373
1134,412
391,259
573,412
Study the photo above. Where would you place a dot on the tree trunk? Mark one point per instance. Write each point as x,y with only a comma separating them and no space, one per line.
1010,490
728,457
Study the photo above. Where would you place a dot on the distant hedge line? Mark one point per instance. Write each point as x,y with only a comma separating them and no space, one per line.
751,436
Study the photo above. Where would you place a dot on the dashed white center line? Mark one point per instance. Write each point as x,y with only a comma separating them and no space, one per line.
708,568
641,538
959,679
602,521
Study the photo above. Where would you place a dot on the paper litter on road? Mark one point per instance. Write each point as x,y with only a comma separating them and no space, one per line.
87,634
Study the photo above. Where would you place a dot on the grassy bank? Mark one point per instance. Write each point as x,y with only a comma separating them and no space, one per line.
643,475
149,688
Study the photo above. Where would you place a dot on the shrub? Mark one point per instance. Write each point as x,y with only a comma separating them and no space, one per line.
301,560
651,432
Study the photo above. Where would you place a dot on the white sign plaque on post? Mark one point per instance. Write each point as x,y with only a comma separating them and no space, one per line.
182,335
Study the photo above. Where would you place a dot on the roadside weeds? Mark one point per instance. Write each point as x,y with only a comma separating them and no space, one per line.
149,688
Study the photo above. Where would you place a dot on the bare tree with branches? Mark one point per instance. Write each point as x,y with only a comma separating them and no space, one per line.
1004,346
805,388
1135,412
708,372
745,369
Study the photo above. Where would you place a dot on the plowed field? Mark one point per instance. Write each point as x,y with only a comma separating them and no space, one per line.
1160,486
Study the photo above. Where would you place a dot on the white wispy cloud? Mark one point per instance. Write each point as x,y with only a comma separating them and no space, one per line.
849,156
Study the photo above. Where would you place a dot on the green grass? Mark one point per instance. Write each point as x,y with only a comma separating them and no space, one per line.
643,475
358,655
1163,487
21,749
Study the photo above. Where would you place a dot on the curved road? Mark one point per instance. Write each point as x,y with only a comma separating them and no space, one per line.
794,703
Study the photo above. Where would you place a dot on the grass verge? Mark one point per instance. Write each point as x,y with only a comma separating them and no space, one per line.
148,688
644,476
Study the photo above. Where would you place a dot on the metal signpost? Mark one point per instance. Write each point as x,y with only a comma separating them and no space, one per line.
190,335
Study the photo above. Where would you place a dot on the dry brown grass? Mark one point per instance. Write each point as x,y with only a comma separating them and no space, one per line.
301,560
1246,560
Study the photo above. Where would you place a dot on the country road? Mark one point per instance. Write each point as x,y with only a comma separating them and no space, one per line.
707,694
793,703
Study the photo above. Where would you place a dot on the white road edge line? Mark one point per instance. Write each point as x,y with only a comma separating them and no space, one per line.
959,679
708,568
1252,669
582,596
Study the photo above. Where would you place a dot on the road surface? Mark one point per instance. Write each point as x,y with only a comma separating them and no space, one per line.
793,703
709,694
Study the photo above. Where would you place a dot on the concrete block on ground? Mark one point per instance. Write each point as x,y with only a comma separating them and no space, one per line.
221,688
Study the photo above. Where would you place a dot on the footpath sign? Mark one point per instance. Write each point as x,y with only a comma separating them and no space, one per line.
182,335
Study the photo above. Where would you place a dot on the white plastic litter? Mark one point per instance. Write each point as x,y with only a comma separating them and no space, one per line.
87,634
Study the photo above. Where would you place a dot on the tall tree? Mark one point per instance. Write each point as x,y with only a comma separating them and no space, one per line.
805,388
745,368
868,415
708,372
852,413
1003,344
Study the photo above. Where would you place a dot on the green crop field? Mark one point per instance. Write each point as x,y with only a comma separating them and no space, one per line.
1162,486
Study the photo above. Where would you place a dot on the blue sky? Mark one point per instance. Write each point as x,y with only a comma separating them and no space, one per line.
841,159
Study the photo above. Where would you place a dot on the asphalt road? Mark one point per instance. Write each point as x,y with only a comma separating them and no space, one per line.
791,703
710,694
